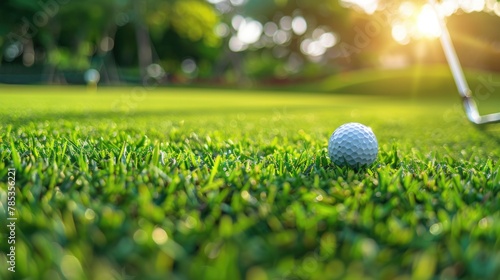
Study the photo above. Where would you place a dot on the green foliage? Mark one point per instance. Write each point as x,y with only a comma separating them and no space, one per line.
69,27
25,5
158,18
195,20
221,184
263,66
66,59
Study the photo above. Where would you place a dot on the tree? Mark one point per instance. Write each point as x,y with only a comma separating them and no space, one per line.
77,35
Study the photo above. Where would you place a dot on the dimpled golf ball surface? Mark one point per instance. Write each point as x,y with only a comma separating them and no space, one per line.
353,144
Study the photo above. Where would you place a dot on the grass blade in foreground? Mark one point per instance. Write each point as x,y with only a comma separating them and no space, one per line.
201,184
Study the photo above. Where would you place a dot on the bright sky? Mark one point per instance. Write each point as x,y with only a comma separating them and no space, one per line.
420,21
412,22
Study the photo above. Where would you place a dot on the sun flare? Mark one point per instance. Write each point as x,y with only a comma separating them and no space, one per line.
427,23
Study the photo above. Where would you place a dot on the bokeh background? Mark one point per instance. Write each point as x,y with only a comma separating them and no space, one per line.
173,169
233,42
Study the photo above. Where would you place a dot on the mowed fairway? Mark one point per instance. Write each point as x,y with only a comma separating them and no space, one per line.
132,183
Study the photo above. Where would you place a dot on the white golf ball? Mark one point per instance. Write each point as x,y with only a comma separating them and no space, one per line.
353,144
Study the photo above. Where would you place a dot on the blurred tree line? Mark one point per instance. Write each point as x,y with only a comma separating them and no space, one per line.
227,41
108,35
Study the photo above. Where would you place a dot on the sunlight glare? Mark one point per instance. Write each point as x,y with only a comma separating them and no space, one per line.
407,9
448,7
470,6
427,23
497,9
400,34
299,25
249,31
368,6
489,5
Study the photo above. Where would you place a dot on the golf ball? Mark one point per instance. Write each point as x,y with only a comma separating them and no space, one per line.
353,144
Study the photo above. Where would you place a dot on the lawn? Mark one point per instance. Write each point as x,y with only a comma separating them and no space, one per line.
172,183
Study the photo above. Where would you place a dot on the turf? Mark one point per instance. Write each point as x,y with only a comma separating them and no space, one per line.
131,183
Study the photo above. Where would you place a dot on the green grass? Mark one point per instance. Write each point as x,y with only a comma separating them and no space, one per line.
220,184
